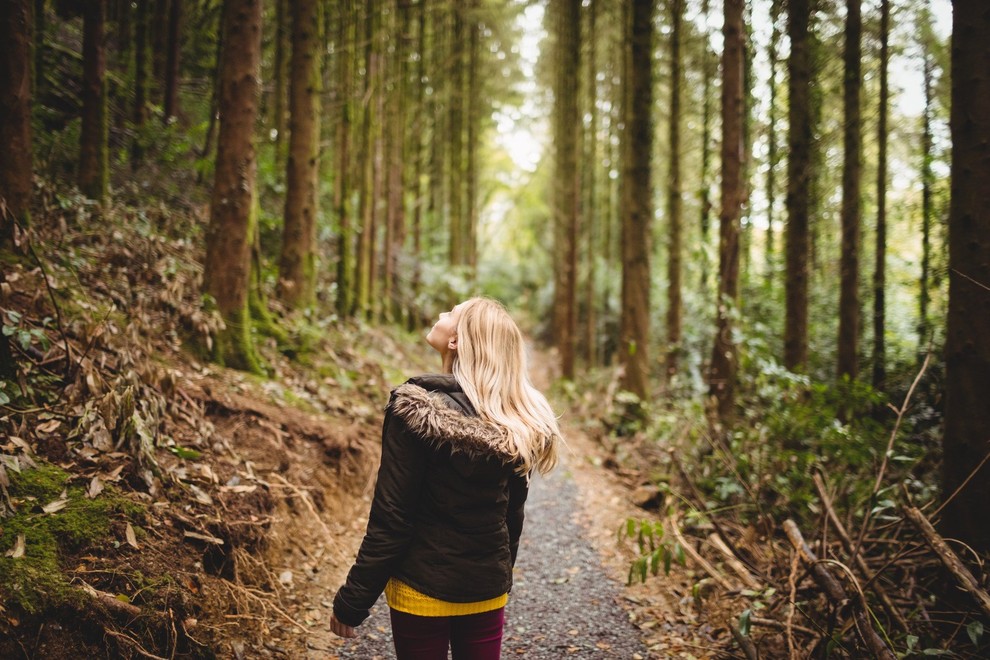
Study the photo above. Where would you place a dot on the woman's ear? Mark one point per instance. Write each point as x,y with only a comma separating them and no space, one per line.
452,343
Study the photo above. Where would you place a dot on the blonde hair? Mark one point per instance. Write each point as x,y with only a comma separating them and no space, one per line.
490,366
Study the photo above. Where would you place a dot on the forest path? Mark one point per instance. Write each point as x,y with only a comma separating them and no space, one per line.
569,598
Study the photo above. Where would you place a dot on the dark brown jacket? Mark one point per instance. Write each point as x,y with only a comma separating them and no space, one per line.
448,505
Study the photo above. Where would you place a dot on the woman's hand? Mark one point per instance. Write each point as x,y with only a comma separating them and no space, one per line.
341,629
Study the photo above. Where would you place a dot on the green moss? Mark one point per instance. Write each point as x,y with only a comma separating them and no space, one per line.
36,581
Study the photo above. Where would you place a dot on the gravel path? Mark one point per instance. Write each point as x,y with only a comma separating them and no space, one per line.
563,604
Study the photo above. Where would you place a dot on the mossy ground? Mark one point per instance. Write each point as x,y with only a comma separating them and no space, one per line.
37,581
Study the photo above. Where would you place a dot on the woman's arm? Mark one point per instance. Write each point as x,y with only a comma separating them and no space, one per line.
390,524
518,491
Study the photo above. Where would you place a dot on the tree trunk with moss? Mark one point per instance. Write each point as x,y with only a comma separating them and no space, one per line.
297,263
93,158
637,209
232,210
346,31
16,34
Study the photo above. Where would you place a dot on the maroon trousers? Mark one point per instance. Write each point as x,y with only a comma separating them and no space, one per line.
469,637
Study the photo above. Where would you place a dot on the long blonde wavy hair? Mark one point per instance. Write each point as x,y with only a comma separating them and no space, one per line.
490,366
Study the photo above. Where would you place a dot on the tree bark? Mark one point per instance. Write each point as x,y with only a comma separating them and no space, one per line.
232,208
93,158
280,73
567,17
724,364
297,261
675,231
773,156
142,75
880,252
927,184
852,167
590,170
798,179
171,101
709,65
637,208
967,352
365,246
16,34
342,193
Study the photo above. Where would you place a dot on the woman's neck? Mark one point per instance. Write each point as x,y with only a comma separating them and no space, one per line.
448,363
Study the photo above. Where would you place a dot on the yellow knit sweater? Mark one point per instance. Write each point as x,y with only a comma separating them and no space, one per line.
400,596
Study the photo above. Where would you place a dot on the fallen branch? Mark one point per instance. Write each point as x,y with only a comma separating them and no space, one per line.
745,643
836,593
949,558
734,563
696,557
115,606
840,531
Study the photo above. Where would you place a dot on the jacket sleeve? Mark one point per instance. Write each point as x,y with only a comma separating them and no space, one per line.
390,523
518,491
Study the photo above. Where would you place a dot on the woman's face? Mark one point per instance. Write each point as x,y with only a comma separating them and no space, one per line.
443,335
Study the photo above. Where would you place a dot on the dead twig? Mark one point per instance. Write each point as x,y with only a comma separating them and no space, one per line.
747,578
949,559
837,593
696,557
886,455
840,531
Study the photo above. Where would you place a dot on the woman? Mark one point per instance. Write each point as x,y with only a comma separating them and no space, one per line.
457,452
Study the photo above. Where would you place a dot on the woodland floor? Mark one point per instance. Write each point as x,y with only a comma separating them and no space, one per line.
248,508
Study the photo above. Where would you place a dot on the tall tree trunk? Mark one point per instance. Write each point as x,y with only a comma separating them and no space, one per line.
880,254
472,142
16,34
773,156
674,221
637,212
704,193
159,39
93,158
40,13
394,148
966,442
365,248
232,208
280,72
848,357
171,101
346,54
142,75
927,183
799,66
456,143
591,215
420,192
567,17
297,262
724,362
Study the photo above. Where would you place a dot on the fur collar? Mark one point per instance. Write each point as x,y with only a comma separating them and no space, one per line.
430,416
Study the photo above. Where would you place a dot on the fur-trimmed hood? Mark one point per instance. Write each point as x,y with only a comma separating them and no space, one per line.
432,415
